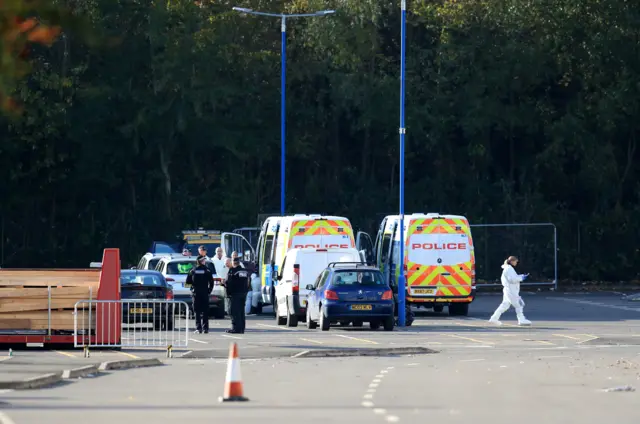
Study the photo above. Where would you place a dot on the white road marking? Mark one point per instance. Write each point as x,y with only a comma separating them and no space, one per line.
567,337
379,411
4,419
392,418
368,396
380,376
384,372
198,341
367,404
470,339
355,338
373,385
231,337
279,327
300,353
471,360
412,365
555,356
601,305
5,358
377,380
186,353
309,340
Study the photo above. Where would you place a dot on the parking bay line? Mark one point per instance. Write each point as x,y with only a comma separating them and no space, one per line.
469,338
231,337
130,355
198,341
312,341
355,338
568,337
279,327
65,354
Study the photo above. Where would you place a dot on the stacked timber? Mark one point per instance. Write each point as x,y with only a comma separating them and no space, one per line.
26,296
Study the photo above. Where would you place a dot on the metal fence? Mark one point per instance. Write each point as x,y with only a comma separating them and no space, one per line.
535,244
131,323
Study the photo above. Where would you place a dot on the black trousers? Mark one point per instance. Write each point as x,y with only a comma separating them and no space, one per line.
201,310
236,310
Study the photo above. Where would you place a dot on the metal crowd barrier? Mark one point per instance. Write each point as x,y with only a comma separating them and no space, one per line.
131,323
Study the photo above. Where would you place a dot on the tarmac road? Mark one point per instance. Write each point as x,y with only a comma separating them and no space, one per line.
553,371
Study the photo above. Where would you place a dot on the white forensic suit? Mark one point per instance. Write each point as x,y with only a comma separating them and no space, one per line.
254,295
510,296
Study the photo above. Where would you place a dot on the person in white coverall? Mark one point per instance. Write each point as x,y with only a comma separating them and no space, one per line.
510,292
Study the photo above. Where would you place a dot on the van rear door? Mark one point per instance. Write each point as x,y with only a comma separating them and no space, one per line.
436,261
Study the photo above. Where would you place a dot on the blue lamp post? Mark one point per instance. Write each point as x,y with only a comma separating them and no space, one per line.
401,278
284,18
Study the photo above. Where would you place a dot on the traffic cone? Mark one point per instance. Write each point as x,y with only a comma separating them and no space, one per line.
233,380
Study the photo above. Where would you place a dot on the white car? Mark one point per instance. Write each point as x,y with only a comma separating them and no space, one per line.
175,269
301,267
150,260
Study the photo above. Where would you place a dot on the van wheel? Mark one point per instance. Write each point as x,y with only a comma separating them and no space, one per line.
325,323
279,320
311,325
438,308
292,319
388,323
374,325
459,309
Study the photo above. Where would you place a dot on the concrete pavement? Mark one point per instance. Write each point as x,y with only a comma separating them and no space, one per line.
578,345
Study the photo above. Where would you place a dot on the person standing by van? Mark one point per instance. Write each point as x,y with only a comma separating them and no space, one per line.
237,287
510,292
220,262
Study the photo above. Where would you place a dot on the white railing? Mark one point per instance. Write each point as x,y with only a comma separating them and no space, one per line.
131,323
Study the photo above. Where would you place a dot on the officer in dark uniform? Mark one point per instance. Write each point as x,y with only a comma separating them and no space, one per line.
237,285
201,281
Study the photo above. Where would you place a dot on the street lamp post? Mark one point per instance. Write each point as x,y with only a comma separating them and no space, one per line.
283,73
401,278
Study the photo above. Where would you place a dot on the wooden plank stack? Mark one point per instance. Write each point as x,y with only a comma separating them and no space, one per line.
24,298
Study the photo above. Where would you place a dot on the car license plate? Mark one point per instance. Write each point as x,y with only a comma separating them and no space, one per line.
140,310
425,291
361,307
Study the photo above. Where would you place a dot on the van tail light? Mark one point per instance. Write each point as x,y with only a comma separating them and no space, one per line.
330,295
388,295
295,283
170,280
169,294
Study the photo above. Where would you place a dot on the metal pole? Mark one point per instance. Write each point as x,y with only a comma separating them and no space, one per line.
283,31
555,257
401,278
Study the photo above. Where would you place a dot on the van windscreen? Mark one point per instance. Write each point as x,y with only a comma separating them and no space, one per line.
439,249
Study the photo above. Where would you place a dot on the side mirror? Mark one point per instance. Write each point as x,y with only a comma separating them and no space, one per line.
309,287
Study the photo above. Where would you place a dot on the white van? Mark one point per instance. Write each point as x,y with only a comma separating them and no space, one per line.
302,267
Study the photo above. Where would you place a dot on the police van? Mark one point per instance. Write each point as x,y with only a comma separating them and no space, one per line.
278,235
439,260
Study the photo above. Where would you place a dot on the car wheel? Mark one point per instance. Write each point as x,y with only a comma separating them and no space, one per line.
358,323
325,323
459,309
438,308
311,325
374,325
292,319
389,323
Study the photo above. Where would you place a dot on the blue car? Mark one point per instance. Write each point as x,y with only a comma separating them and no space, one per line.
348,292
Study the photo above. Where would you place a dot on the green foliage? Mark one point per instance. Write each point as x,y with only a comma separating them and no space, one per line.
517,111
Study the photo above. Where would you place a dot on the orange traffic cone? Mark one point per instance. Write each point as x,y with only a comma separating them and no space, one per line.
233,381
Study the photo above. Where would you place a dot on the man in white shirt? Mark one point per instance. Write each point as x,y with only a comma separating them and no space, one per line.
219,261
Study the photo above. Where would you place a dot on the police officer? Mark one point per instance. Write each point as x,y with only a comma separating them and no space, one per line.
237,287
201,281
